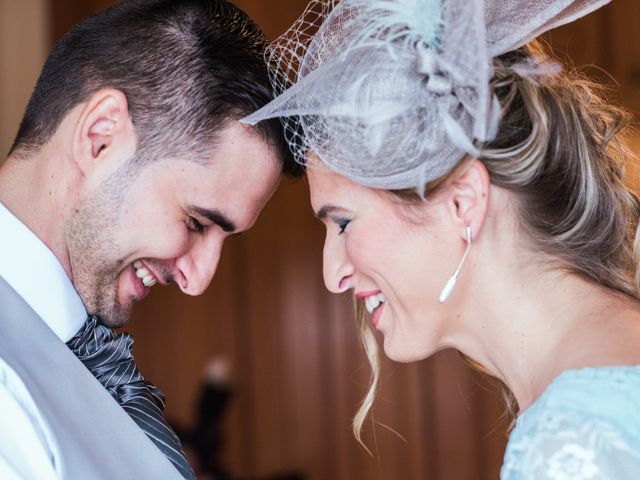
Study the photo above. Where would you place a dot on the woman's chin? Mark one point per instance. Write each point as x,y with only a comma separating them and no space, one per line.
401,353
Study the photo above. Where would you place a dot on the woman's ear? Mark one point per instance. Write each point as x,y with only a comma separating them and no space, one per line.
104,129
469,197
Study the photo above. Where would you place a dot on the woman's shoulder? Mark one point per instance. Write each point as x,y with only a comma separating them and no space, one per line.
585,425
611,393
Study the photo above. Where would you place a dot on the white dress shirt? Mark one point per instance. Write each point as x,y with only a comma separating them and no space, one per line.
27,448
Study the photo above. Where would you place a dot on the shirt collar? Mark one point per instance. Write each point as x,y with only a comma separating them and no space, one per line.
35,273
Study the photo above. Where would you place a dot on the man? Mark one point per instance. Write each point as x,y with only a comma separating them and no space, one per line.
129,169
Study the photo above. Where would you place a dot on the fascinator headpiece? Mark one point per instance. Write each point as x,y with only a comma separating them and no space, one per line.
393,93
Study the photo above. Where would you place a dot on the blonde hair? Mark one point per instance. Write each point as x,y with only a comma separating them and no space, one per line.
559,151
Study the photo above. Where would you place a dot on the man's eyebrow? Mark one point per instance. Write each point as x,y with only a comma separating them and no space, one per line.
216,217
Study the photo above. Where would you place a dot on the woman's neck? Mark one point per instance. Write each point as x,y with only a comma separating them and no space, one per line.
527,325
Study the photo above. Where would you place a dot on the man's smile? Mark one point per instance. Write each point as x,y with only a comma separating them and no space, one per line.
145,276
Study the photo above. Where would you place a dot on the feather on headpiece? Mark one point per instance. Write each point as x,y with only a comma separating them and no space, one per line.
393,93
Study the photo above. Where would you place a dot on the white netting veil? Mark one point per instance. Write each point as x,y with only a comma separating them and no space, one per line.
393,93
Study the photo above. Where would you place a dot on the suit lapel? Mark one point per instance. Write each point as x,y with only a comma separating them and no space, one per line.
96,438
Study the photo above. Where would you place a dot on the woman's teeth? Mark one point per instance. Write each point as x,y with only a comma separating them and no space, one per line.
144,275
372,302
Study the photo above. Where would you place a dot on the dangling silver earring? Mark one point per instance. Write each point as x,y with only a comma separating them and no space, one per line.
451,283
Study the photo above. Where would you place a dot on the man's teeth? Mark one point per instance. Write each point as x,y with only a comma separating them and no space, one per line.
373,301
143,274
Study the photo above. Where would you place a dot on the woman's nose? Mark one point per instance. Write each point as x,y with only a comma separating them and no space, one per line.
337,268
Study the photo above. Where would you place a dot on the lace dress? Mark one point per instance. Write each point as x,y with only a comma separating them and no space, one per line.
586,425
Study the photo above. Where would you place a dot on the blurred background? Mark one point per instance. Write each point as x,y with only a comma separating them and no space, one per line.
285,353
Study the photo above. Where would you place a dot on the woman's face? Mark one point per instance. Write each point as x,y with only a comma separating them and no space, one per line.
395,257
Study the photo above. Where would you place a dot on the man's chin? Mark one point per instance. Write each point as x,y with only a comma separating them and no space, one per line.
114,322
115,318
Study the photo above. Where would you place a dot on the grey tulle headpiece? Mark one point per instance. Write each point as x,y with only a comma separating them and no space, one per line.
393,93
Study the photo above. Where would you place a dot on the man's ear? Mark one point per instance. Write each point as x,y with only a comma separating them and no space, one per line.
104,130
469,197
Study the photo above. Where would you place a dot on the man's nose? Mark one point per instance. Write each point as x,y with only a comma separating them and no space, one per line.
199,264
337,268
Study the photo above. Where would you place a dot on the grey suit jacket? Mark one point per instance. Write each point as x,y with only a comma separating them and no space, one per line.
96,438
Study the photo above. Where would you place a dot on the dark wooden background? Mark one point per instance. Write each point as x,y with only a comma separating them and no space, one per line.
298,372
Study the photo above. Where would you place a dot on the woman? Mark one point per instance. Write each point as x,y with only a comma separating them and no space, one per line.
474,199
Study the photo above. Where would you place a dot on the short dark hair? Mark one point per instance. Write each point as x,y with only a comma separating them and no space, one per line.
186,67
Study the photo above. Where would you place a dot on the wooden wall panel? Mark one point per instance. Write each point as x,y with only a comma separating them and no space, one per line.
66,13
24,43
298,370
607,45
624,51
274,17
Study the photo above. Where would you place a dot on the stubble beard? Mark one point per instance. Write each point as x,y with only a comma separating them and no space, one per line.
91,243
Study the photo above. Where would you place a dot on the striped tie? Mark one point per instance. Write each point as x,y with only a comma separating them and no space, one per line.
108,357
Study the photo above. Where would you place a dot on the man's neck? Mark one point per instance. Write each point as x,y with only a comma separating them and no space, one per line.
37,191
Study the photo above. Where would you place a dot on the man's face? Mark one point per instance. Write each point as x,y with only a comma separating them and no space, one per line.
166,222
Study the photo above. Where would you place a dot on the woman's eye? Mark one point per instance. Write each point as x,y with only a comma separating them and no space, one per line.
342,225
195,225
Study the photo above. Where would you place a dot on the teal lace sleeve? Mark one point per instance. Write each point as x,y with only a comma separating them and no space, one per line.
585,427
568,447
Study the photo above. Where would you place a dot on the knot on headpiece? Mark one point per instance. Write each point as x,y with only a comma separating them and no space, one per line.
428,63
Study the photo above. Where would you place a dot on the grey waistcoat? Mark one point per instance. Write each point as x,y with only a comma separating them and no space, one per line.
96,438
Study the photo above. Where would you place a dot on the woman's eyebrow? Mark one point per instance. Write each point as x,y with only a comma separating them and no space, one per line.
326,210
